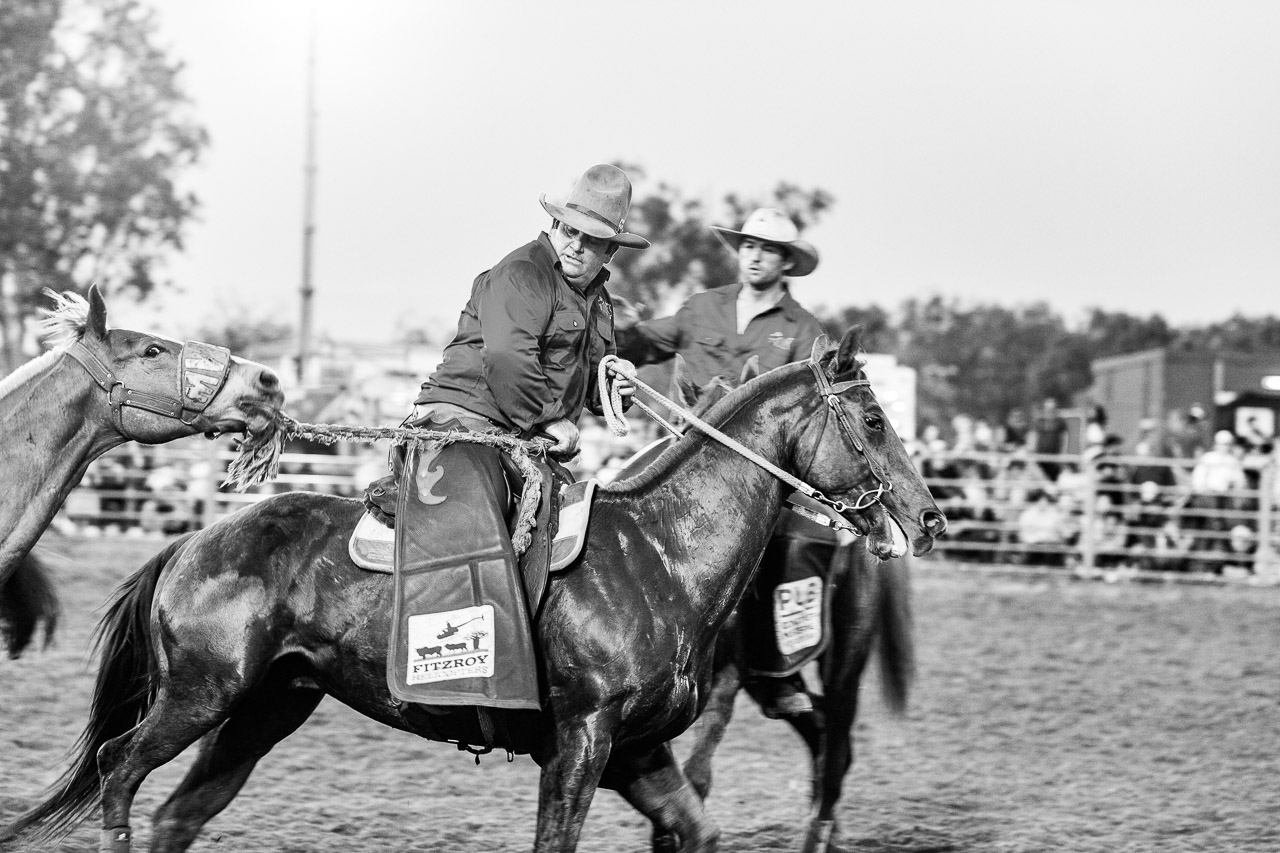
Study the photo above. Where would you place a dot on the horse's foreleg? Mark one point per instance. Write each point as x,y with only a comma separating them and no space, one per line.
654,784
570,775
227,756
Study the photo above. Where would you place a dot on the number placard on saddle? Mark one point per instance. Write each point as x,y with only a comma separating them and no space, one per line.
460,631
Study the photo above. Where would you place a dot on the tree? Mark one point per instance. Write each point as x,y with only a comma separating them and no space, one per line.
94,133
686,256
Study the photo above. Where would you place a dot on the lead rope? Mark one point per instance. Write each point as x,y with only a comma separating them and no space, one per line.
611,404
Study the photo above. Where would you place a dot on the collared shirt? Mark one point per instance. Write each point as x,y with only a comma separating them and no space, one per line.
751,306
528,344
705,332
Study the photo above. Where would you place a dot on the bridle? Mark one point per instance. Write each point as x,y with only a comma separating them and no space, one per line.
205,368
830,392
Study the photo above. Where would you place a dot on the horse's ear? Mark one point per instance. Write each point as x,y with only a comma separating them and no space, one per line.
96,325
820,346
847,357
750,370
683,391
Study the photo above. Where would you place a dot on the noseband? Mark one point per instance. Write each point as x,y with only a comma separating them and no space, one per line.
205,369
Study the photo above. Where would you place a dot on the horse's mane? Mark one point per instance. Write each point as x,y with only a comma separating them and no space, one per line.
65,322
63,325
717,415
723,410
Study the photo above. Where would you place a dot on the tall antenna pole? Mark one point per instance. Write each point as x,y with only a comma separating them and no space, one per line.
308,217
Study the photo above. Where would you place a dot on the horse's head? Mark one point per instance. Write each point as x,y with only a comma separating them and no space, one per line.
849,451
155,389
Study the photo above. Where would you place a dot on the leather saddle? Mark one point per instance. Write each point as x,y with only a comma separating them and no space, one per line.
560,529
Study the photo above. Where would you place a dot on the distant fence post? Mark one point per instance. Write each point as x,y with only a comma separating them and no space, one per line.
1088,527
1264,555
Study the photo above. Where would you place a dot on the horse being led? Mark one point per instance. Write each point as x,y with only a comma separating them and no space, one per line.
239,631
870,607
96,389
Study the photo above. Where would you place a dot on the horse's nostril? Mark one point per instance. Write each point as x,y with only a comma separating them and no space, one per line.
933,521
269,380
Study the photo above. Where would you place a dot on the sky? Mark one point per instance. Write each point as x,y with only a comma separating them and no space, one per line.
1120,154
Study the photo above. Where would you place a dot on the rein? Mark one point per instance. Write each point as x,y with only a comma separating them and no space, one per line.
205,369
612,407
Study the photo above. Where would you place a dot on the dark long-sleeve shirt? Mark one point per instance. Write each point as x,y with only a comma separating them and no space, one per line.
705,332
528,344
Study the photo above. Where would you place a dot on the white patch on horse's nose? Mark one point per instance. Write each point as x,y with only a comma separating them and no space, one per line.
900,542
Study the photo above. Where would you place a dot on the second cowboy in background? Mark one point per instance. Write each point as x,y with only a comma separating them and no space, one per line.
716,332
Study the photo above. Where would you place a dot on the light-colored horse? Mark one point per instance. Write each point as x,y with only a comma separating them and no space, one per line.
94,390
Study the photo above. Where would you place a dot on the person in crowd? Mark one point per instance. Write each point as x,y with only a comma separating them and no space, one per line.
1049,437
1095,427
1215,480
972,516
1171,549
1111,480
1111,540
1148,470
1014,431
1042,529
1242,545
1185,433
984,437
716,332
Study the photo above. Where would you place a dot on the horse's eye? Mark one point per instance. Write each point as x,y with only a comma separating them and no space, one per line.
873,422
153,351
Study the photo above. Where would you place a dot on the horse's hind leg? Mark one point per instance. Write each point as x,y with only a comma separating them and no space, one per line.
842,667
226,757
169,727
654,784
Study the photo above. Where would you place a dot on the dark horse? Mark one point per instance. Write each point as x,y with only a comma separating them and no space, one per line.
870,606
233,636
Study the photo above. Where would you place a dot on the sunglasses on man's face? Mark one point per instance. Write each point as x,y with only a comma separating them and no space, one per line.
587,241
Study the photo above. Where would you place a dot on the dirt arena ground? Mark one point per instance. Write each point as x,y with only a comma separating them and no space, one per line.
1049,715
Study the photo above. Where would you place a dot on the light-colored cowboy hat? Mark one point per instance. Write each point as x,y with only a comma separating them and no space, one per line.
598,205
773,226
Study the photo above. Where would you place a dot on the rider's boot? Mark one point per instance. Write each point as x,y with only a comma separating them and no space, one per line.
783,697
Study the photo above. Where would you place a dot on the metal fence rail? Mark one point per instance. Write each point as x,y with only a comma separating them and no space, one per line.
1094,515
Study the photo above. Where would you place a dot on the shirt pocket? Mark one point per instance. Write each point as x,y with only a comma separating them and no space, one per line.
564,342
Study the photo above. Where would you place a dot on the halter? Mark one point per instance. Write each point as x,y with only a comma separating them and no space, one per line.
205,369
612,406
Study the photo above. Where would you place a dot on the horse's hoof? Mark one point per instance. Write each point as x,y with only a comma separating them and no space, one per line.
820,837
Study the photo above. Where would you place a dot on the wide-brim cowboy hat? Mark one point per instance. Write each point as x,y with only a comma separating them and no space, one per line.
598,205
773,226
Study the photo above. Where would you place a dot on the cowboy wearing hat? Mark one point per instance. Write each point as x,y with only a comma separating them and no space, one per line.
539,322
716,332
523,362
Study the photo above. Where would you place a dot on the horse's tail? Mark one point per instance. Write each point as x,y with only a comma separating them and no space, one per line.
28,598
123,694
897,651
